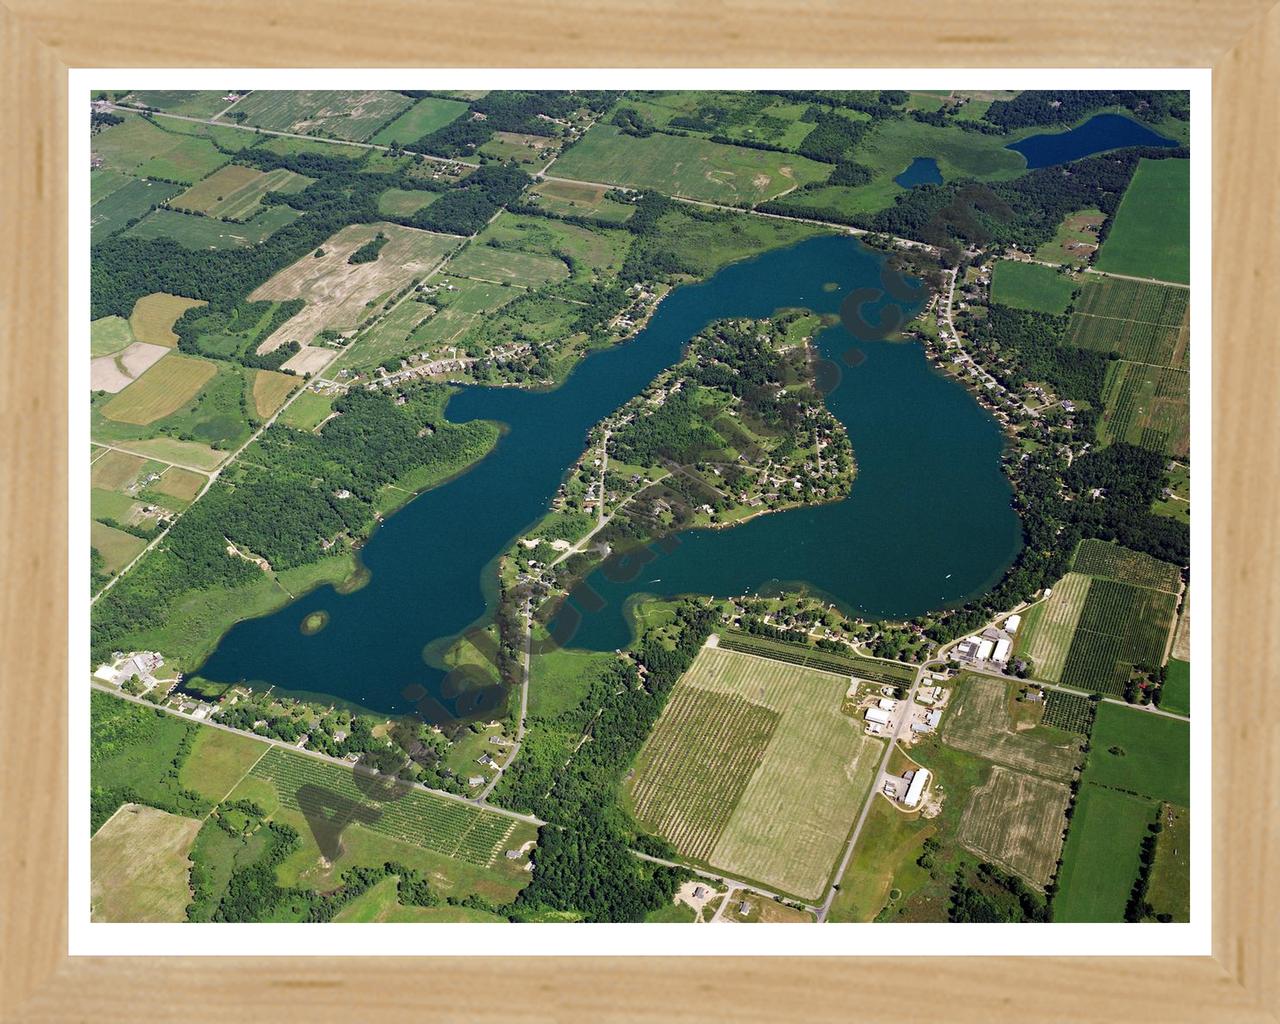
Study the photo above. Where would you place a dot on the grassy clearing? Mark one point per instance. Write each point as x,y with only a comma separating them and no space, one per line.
139,147
1030,286
1100,858
1046,638
307,411
350,115
168,449
381,904
235,192
134,200
560,678
210,233
1141,753
754,769
1017,821
119,471
885,857
218,761
1169,886
154,315
1151,236
109,335
161,391
490,263
985,720
690,167
399,202
1075,239
270,389
189,103
140,866
117,548
426,116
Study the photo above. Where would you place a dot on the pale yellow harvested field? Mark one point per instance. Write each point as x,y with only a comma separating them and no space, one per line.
270,389
1050,636
753,769
979,722
308,360
140,867
1017,821
336,292
154,315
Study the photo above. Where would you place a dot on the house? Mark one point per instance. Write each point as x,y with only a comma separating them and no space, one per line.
744,908
699,892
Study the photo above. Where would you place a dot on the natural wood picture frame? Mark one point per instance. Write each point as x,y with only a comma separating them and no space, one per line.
41,39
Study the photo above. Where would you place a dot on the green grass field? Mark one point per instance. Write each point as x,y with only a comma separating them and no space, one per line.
137,146
1030,286
400,202
572,198
424,117
690,167
218,761
1076,237
741,116
490,263
190,103
1100,858
1175,694
341,114
307,411
108,335
117,548
210,233
139,866
132,201
1152,755
1169,885
559,679
1151,236
753,769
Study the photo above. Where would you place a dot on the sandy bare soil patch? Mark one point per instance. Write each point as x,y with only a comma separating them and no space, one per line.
337,293
309,360
117,372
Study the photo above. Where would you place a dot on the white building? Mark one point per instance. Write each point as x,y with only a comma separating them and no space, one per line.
1002,650
877,716
887,705
919,779
1012,623
985,649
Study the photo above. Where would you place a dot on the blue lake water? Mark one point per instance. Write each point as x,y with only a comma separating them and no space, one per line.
1100,133
923,170
928,522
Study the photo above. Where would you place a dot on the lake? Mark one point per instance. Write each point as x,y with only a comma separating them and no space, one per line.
923,170
928,521
1100,133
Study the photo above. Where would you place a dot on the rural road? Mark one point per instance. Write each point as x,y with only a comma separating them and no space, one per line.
732,883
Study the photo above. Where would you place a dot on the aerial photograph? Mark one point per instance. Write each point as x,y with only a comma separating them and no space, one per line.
709,507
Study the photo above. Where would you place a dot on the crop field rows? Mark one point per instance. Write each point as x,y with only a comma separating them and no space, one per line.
784,818
702,754
1133,300
979,723
348,115
1129,339
1048,638
1111,561
1017,822
803,655
447,827
235,192
1070,712
1120,626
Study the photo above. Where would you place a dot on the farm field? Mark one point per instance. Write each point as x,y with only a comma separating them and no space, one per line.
388,338
218,761
771,782
740,116
235,192
1070,712
307,411
532,150
117,548
1031,286
1100,858
109,335
427,115
193,103
352,116
576,199
601,249
154,315
176,488
138,147
173,450
133,200
1148,406
381,904
1120,626
1016,821
270,389
140,867
1152,758
871,669
1151,235
210,233
1046,637
982,722
1106,560
690,167
1076,238
164,389
120,471
338,294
